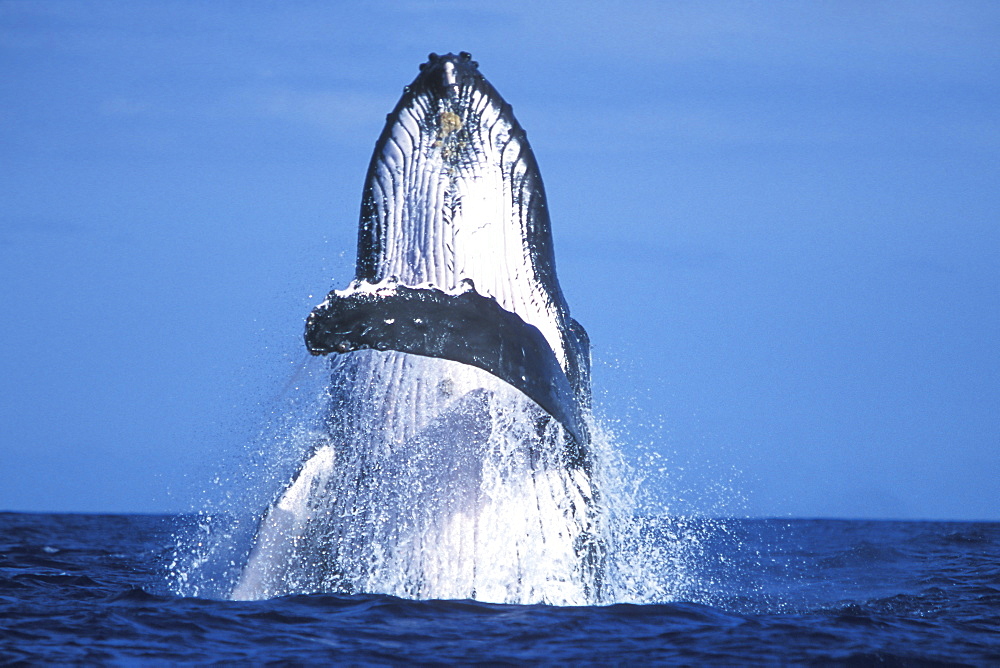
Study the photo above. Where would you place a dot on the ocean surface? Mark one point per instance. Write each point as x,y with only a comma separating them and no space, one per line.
95,589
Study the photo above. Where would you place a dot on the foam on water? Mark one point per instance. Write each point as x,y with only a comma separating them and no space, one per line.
427,479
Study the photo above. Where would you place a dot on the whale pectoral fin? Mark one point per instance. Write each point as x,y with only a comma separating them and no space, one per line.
284,522
462,327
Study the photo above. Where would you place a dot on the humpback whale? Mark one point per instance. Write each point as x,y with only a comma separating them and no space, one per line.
452,457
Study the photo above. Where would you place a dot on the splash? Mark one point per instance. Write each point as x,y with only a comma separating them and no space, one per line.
433,479
428,479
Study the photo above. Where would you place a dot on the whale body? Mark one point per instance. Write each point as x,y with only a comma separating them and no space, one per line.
453,455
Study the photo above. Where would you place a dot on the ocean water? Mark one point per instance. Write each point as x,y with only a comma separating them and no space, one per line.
96,589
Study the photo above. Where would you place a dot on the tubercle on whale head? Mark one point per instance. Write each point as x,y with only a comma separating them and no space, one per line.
464,58
445,77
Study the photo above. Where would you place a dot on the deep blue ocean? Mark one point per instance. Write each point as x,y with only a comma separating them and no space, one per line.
94,589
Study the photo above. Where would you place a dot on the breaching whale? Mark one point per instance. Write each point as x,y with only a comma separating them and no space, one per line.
453,455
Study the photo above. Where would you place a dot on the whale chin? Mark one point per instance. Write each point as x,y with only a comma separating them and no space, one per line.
454,455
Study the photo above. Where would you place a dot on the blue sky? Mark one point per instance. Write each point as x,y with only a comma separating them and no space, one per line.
777,221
